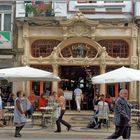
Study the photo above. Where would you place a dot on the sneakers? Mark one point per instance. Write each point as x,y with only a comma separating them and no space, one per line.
57,131
17,135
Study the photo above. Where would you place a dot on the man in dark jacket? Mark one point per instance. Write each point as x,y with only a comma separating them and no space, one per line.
122,116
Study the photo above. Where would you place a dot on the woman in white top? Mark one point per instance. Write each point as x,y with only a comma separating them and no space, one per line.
19,114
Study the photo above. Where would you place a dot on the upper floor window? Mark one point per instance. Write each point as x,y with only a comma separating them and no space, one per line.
116,48
113,1
43,47
113,10
5,17
79,50
86,1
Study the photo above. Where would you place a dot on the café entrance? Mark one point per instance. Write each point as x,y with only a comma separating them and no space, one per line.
71,76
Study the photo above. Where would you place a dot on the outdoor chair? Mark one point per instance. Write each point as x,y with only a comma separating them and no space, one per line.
37,115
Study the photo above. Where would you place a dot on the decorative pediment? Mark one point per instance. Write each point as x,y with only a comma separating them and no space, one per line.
79,26
79,17
79,29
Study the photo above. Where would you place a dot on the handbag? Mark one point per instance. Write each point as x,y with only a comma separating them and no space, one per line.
57,112
23,119
28,105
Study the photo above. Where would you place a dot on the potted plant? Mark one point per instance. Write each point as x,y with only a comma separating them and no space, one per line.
49,11
29,10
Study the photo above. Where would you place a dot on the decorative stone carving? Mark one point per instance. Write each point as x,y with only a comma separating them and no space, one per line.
117,59
78,16
54,54
103,57
93,32
65,32
134,61
24,60
138,50
134,31
79,29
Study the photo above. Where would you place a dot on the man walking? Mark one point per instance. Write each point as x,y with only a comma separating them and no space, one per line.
122,116
78,98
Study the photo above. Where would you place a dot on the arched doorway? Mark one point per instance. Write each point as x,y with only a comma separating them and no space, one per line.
77,67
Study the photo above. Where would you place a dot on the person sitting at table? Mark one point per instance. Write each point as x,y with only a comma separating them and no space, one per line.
11,99
33,100
26,105
102,112
42,101
52,98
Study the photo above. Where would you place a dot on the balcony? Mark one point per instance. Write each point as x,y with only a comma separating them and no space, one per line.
38,10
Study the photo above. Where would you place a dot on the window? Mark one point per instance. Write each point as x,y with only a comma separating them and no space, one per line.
7,22
0,22
43,47
87,1
115,1
114,10
116,48
79,50
5,17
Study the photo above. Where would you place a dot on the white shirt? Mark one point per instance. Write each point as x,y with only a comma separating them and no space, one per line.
77,92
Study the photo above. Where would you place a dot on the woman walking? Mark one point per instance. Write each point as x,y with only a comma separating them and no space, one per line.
19,114
61,101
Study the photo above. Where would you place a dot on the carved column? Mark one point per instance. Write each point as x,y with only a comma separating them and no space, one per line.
103,67
134,63
138,95
25,58
55,83
26,44
102,86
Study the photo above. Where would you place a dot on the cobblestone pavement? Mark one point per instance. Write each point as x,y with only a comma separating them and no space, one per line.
48,133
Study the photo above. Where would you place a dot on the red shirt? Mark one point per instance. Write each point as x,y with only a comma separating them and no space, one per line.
32,98
109,100
42,102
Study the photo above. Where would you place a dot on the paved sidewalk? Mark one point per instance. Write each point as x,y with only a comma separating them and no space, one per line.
76,132
79,130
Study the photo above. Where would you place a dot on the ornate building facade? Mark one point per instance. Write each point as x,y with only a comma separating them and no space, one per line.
78,46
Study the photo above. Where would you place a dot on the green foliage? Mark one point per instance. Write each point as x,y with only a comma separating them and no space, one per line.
39,10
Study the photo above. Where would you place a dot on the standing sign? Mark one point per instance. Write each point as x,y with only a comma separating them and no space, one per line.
5,40
68,94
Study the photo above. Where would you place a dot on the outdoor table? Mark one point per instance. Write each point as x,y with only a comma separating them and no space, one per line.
135,110
9,113
9,107
47,112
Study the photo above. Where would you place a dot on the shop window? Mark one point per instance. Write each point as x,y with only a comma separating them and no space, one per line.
79,50
5,17
43,47
116,48
39,87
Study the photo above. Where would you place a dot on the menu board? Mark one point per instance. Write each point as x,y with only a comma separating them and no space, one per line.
68,94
